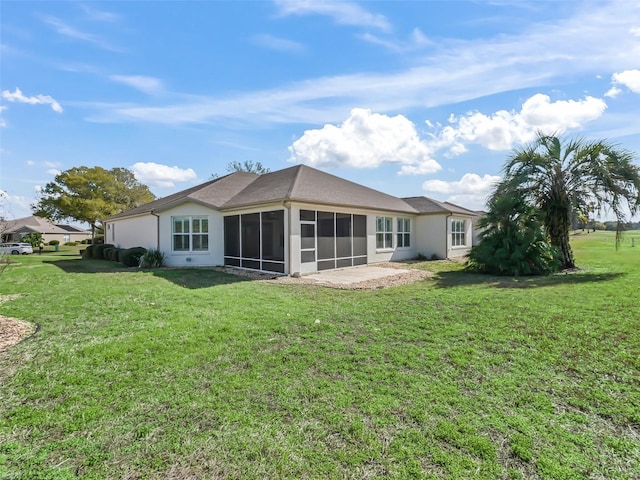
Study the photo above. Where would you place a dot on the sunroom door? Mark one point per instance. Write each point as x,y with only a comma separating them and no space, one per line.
308,250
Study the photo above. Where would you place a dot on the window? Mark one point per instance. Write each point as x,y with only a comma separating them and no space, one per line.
384,232
458,233
190,234
404,233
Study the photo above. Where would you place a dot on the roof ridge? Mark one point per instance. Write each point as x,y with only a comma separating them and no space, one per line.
292,185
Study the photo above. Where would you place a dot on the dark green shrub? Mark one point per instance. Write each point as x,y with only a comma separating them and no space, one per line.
86,241
88,252
98,250
106,252
152,259
54,242
513,241
131,256
71,244
113,254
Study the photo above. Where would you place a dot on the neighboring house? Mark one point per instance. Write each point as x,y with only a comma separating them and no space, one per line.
293,221
14,230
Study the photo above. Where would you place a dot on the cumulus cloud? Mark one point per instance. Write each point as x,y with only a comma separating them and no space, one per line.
365,140
17,96
471,191
157,175
343,12
143,83
504,129
628,78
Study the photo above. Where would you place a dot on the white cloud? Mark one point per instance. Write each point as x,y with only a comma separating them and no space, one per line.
53,171
537,56
613,92
157,175
143,83
416,41
278,43
3,123
365,140
68,31
98,15
504,129
17,96
629,79
471,191
342,12
51,164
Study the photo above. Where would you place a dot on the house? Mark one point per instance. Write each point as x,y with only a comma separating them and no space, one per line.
298,220
14,230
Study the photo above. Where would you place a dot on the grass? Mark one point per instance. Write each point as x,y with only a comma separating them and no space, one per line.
183,373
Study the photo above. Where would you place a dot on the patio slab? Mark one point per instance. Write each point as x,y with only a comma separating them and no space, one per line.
353,275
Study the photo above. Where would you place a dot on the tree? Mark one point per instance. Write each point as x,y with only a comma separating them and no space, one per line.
559,176
512,240
90,194
246,166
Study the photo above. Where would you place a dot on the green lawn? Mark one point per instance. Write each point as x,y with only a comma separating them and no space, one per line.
196,374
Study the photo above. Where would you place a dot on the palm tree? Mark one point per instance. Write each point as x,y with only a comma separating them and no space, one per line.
559,177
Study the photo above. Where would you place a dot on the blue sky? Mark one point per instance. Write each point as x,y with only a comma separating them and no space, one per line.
410,98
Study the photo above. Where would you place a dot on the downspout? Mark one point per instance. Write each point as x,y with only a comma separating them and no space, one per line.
157,229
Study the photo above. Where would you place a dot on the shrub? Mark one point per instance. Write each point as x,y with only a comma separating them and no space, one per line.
130,257
71,244
113,254
54,242
106,252
98,250
152,259
86,241
513,241
88,252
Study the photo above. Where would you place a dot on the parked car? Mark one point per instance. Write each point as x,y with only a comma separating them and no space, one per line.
16,248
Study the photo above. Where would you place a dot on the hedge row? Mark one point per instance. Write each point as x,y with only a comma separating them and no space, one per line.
129,257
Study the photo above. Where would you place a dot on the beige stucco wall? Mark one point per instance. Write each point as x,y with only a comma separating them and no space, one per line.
215,254
431,233
139,231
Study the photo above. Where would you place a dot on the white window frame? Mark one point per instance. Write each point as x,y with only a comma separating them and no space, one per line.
194,229
403,234
384,233
458,233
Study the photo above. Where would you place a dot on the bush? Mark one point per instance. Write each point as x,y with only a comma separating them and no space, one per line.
98,250
71,244
152,259
112,255
106,252
86,241
88,252
513,241
130,257
54,242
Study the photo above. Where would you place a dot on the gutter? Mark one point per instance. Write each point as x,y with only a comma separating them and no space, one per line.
153,212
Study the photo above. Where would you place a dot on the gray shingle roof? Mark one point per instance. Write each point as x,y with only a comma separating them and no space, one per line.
429,206
298,183
305,184
213,193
